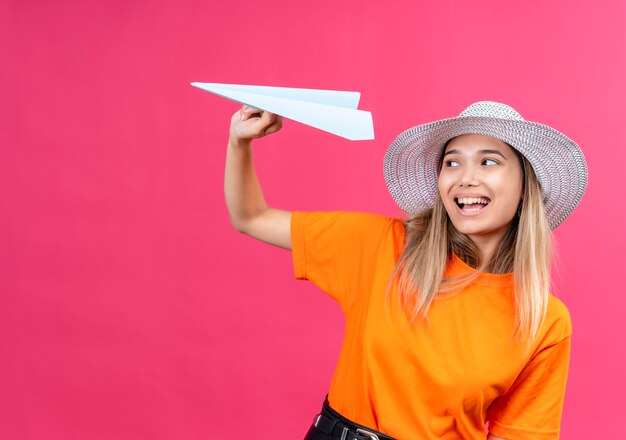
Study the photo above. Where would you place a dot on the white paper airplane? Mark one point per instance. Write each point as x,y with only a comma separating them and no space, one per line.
333,111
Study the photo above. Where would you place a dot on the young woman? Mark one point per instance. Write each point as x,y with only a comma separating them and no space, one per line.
450,330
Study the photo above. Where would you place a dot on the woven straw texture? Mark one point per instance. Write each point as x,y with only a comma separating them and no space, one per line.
410,164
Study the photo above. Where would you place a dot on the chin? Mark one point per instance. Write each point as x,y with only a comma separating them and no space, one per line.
470,229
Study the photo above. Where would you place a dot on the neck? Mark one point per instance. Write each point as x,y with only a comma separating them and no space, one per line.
487,246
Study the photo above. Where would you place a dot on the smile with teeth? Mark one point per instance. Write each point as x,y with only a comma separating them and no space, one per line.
470,204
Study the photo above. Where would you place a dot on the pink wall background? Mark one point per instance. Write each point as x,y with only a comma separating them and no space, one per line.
130,309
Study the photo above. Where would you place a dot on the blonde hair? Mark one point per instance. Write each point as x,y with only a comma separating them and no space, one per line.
525,250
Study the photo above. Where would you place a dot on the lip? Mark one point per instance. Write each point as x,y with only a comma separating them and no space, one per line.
470,195
462,195
469,213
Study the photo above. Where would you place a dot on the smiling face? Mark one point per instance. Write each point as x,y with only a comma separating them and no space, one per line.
481,184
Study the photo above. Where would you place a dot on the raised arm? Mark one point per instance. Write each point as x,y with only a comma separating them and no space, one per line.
249,213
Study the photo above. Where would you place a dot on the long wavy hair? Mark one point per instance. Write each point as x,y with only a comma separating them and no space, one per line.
525,250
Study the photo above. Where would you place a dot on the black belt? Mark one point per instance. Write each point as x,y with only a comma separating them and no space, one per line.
338,427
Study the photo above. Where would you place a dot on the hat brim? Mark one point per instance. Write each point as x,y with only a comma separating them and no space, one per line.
411,161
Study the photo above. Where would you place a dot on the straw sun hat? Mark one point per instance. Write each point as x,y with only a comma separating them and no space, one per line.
410,165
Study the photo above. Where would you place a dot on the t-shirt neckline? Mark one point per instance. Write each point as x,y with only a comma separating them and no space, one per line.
457,267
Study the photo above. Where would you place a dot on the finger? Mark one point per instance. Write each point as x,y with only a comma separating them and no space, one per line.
277,125
248,112
260,123
267,119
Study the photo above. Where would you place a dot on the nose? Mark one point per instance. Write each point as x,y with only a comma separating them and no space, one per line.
469,176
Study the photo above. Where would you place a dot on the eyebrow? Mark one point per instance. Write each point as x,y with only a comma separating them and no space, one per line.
480,152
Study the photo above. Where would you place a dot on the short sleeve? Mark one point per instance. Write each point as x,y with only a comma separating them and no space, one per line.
532,407
338,250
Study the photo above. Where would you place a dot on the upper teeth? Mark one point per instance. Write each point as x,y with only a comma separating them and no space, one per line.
472,200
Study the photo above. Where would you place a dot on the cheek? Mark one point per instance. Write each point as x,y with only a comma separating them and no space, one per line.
443,187
516,188
443,183
511,194
508,184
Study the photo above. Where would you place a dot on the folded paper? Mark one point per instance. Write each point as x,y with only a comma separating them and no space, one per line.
333,111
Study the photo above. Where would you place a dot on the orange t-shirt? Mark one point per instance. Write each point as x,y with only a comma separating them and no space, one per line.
440,378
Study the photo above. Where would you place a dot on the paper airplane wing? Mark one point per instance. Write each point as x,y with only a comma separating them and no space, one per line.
333,111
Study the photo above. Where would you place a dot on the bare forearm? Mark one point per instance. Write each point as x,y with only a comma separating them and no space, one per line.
244,196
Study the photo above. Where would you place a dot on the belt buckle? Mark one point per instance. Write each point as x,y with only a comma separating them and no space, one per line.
370,434
317,419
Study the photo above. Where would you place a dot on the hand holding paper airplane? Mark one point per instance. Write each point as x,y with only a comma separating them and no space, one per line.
251,123
333,111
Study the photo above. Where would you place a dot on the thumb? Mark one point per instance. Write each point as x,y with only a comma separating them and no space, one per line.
267,119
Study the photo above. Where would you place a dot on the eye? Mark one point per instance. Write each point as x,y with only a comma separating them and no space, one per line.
452,163
489,162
